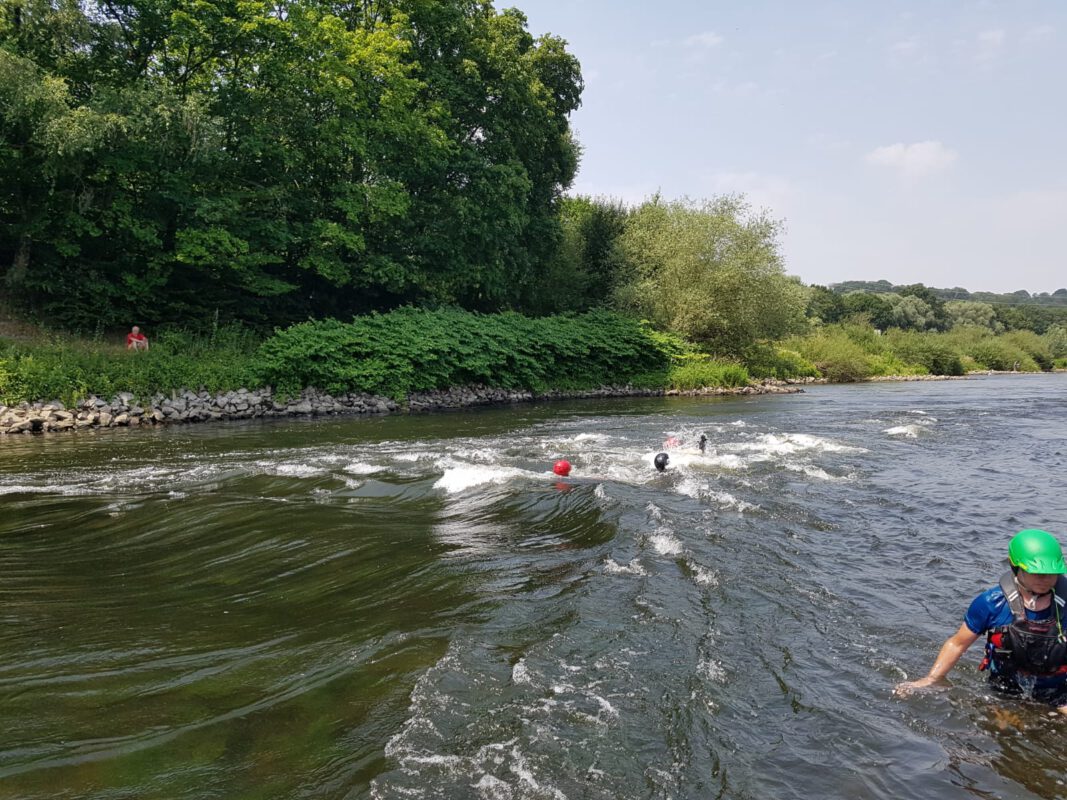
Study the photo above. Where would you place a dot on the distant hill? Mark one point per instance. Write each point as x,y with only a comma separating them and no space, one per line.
1018,298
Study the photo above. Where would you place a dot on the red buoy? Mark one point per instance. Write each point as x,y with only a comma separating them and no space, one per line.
562,467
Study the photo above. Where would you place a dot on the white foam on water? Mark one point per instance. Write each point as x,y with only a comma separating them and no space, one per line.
361,468
703,576
19,488
520,673
907,431
665,544
460,478
591,437
492,788
711,670
725,461
526,776
290,470
613,567
599,492
815,472
783,444
727,501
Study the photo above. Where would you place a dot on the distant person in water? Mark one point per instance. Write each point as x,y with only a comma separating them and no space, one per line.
703,443
135,340
660,461
1023,620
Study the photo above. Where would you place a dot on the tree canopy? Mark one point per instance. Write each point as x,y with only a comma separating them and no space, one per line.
168,159
710,272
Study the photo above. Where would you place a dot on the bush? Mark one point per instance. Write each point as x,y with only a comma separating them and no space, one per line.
700,375
1000,354
930,351
416,351
1037,347
766,361
837,357
59,368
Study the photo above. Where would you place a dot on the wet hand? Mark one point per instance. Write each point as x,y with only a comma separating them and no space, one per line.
907,687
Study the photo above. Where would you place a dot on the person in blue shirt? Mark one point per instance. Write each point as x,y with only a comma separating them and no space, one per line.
1023,621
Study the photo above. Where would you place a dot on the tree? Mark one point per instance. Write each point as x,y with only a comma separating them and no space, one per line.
938,320
963,312
873,308
586,266
711,272
825,305
176,158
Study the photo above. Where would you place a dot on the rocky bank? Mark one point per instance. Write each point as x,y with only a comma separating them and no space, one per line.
187,406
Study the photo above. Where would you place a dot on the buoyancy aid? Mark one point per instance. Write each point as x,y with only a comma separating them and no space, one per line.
1037,647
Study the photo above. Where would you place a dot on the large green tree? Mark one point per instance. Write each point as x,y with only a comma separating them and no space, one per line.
166,159
710,271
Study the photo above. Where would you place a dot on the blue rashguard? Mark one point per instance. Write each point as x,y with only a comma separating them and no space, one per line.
990,610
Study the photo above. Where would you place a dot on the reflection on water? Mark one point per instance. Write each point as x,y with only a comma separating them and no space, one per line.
416,607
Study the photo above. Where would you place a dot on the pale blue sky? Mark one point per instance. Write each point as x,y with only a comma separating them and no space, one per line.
911,141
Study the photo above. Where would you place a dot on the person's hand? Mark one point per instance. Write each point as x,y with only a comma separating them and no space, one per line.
907,687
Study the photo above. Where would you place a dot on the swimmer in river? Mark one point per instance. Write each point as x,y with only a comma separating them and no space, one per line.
660,461
703,443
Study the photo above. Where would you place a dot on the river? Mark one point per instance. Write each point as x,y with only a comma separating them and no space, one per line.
415,607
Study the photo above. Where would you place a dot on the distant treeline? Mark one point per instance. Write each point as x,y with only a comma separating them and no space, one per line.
1019,297
919,308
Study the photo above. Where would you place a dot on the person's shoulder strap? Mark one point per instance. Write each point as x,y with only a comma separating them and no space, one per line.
1059,591
1011,594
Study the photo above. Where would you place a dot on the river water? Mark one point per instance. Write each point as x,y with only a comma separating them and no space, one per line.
415,607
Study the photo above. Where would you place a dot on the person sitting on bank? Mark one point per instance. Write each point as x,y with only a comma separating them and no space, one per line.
135,340
1022,620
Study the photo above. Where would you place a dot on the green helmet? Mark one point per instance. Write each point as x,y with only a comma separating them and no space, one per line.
1036,551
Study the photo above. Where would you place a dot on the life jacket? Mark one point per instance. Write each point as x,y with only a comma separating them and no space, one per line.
1032,646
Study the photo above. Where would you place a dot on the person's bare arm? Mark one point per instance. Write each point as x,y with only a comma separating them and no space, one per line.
951,652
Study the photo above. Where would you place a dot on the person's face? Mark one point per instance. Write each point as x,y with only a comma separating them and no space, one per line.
1037,582
136,329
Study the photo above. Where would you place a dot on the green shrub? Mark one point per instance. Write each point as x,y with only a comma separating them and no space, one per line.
1060,363
888,364
57,368
834,353
930,351
1037,347
1000,354
766,361
410,350
700,375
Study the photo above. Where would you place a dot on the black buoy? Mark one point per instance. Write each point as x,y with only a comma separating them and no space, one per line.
661,461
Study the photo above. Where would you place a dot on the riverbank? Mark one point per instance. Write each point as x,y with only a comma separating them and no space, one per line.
189,407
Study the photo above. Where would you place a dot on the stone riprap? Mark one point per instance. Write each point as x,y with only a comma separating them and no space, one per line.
126,410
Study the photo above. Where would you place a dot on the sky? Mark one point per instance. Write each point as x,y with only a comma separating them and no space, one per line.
916,142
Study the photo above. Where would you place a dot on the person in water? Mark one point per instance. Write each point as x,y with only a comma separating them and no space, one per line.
1023,621
660,461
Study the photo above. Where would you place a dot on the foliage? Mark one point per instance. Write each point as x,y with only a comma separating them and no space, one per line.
171,159
710,272
965,312
67,369
835,354
769,361
704,374
413,351
584,270
1056,340
932,352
